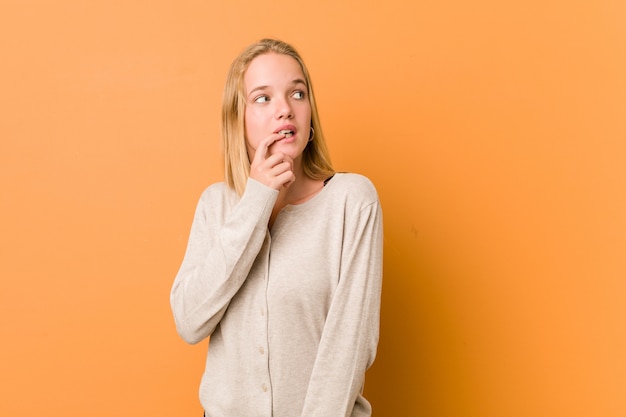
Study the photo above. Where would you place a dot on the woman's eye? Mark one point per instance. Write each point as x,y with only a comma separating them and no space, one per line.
298,95
261,99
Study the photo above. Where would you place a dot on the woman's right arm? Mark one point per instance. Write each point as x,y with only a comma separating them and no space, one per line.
219,256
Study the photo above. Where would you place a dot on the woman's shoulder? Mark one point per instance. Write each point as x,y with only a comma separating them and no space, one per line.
218,191
217,188
355,186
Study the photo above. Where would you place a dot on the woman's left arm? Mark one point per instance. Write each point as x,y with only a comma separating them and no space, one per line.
350,337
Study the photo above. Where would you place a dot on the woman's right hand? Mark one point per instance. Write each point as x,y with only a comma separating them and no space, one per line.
275,170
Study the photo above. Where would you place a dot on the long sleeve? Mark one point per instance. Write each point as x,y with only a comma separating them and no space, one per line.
350,335
225,238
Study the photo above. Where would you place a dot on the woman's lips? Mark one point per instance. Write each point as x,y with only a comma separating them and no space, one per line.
287,130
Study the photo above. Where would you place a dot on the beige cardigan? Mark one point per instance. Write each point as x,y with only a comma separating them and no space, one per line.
292,315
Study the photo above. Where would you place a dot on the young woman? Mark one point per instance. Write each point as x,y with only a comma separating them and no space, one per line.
283,264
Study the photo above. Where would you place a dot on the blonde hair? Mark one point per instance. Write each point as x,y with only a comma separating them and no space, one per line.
315,157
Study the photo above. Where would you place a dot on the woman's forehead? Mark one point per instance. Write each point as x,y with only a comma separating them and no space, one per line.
272,69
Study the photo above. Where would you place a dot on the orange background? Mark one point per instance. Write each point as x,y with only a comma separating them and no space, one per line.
494,131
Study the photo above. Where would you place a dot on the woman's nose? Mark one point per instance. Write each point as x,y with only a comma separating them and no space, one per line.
283,110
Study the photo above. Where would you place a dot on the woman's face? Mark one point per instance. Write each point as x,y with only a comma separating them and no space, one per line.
277,102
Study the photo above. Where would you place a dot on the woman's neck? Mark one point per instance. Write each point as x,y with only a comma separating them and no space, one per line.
298,192
301,190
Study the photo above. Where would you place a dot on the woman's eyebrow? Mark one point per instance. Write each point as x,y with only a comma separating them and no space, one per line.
261,87
264,87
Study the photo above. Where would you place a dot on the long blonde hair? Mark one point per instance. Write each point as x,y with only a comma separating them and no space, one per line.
315,158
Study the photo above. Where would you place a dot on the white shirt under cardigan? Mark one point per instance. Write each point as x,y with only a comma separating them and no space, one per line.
292,314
